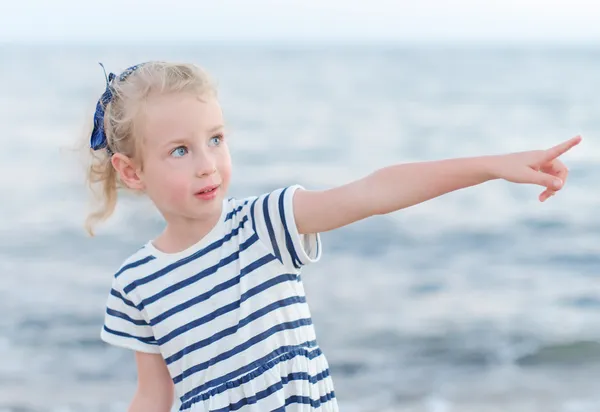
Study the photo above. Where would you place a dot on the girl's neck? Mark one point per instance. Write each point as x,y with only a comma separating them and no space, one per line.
182,233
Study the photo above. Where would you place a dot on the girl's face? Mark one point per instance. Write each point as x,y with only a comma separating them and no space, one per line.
186,161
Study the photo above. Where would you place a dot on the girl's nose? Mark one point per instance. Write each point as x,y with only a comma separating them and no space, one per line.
206,166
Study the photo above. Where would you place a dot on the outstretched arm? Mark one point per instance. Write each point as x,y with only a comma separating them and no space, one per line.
401,186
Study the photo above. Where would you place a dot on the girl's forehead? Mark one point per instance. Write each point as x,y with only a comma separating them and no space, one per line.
183,113
181,105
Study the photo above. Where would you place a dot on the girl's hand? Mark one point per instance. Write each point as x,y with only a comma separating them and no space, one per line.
541,167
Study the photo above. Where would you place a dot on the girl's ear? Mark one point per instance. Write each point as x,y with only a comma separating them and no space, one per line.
128,171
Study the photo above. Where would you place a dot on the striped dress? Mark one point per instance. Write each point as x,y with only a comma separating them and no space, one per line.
229,314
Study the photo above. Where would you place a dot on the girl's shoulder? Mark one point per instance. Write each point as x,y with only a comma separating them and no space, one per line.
135,265
275,196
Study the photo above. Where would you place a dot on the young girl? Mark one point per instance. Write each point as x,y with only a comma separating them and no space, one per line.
214,307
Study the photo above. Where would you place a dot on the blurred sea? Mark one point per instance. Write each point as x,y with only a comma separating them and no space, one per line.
483,300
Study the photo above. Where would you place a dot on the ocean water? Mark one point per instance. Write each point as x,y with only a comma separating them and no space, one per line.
483,300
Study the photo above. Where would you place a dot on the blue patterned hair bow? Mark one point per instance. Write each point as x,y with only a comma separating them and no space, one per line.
98,139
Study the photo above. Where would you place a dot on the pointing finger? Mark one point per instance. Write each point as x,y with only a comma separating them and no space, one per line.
560,149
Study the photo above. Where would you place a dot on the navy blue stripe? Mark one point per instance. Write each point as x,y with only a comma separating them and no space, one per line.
134,264
272,389
272,359
233,329
304,376
251,399
193,279
149,340
288,237
186,259
207,295
235,211
228,384
227,308
270,228
315,403
253,215
117,314
122,298
242,347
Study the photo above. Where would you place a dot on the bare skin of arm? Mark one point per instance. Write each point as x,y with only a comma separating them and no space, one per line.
400,186
155,388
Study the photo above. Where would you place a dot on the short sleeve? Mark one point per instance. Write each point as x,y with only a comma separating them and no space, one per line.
124,325
273,221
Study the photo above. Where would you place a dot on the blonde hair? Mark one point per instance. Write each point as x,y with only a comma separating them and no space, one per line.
129,92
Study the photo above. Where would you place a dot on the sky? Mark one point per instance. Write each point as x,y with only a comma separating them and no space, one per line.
77,21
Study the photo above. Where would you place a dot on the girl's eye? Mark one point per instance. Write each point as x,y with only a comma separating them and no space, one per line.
216,140
179,151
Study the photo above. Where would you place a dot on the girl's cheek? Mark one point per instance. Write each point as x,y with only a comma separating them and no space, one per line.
179,188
